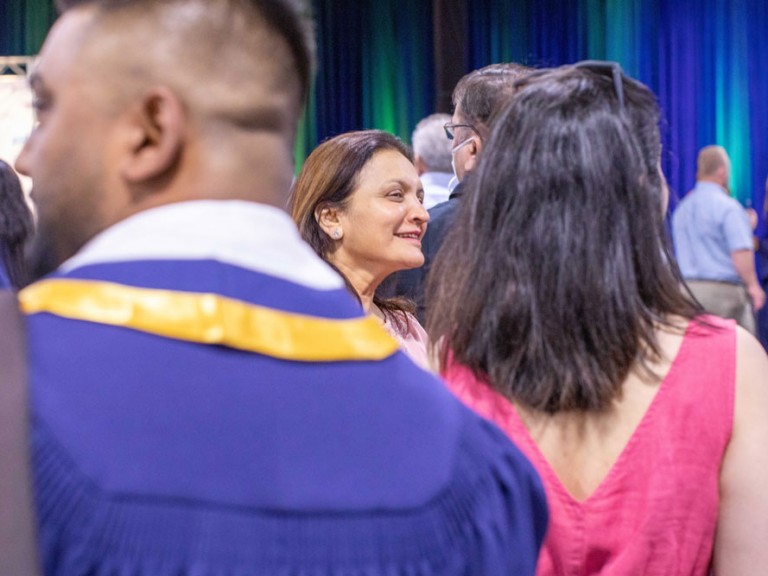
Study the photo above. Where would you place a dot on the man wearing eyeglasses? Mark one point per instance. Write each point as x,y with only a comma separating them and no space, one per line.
476,98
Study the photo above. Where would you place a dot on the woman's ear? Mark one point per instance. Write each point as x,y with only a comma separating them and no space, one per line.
328,219
155,134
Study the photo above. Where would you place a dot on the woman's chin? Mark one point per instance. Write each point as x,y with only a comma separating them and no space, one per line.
412,264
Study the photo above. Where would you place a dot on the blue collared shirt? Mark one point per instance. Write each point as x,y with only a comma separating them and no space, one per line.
707,227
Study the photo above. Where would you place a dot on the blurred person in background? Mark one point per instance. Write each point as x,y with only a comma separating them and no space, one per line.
432,158
714,244
762,271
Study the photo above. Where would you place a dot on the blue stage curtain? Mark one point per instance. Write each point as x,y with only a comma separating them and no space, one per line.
376,69
757,75
704,59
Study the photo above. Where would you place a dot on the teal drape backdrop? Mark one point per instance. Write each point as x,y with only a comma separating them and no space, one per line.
23,25
375,68
703,58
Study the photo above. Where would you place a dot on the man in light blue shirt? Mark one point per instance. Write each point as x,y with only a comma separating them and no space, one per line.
714,246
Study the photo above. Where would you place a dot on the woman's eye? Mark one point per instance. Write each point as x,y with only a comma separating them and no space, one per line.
397,194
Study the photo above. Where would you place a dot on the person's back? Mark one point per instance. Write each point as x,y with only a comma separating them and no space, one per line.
206,398
159,452
708,225
643,416
714,246
634,489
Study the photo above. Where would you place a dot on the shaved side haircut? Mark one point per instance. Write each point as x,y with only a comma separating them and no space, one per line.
218,61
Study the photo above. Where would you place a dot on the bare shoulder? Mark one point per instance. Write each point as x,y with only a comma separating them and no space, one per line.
747,344
743,515
751,373
750,421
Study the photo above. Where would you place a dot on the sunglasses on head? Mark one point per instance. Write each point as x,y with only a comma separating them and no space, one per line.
606,68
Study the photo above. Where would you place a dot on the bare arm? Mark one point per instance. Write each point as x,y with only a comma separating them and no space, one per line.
744,262
742,527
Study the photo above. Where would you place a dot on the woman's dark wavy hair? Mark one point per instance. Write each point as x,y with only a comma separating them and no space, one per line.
558,268
16,225
328,178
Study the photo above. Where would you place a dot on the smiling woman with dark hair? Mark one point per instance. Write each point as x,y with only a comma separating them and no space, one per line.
358,203
559,307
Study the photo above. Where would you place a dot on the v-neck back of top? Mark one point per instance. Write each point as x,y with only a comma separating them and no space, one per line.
655,512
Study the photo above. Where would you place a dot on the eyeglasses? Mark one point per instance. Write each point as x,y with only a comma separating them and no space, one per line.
449,128
605,68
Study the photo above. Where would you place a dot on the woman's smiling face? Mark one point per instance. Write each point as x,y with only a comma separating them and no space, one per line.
384,219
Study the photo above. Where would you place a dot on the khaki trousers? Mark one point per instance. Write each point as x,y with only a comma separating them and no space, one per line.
725,300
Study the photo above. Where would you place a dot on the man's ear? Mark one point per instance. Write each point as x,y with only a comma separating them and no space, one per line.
725,176
155,135
421,167
328,218
474,154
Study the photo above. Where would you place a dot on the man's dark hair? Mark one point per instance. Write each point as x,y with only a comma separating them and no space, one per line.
484,91
552,282
16,225
291,19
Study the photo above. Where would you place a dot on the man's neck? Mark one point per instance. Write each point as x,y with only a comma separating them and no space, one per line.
715,181
252,167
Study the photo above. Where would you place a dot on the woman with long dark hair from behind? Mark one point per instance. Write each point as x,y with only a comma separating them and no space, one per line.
16,227
560,314
358,202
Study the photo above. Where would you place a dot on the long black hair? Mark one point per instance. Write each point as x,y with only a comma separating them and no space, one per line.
16,225
558,270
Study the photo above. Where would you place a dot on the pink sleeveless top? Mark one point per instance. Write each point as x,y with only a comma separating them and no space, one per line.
655,512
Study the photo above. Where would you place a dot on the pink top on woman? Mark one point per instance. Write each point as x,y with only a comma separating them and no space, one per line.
655,512
413,339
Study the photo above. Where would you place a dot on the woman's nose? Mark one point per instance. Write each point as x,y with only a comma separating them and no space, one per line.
419,213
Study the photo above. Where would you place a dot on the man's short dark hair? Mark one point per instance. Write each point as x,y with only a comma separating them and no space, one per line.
483,92
291,19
